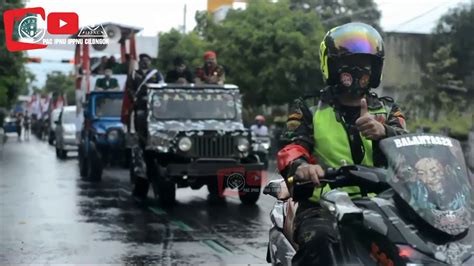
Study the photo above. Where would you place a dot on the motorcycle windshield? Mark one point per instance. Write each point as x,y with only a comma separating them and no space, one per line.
430,174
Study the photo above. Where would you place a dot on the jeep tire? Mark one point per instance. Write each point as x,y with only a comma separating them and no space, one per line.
164,190
250,198
140,188
82,162
94,164
51,138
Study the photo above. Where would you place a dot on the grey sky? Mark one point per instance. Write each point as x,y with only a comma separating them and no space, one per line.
161,15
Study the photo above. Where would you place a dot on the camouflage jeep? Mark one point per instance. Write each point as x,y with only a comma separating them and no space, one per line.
195,137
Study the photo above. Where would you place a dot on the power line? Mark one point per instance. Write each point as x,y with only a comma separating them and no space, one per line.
421,15
357,12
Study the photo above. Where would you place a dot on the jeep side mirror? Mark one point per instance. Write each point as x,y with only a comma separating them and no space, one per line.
57,122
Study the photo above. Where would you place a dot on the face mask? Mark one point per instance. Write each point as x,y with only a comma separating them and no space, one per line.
353,79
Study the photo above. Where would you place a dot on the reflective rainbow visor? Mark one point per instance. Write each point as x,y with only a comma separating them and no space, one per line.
355,38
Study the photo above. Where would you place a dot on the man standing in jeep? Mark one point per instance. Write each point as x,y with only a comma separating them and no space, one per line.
136,85
210,72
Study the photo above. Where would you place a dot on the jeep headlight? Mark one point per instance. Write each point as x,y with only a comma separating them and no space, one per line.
242,144
185,144
113,136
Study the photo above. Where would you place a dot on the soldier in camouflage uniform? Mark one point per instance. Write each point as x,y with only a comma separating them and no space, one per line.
211,72
344,128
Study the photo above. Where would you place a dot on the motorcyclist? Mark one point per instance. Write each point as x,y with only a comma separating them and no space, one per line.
259,128
344,128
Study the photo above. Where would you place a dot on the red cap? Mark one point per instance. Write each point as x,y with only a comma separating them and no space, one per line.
209,54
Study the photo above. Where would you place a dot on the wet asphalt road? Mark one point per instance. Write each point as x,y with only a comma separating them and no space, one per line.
49,215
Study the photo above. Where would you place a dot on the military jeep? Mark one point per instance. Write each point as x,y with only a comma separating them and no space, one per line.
195,137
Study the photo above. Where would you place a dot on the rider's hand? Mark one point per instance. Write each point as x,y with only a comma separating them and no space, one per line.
309,172
367,125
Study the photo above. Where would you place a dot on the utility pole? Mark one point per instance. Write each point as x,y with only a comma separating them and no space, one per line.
184,19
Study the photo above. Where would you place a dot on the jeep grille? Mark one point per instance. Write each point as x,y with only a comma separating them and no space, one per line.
212,146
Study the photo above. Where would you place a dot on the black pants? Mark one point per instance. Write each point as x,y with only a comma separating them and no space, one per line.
141,125
314,233
141,128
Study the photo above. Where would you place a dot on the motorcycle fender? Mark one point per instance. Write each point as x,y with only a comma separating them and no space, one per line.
277,215
280,249
290,212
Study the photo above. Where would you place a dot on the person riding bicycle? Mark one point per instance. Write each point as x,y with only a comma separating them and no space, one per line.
344,128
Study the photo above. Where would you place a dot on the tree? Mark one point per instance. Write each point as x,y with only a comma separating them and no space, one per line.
12,72
337,12
441,102
58,83
174,43
270,50
455,28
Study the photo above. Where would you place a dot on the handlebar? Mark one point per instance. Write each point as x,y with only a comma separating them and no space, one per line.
350,175
330,174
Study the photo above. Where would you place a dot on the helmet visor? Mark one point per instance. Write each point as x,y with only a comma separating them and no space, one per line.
355,38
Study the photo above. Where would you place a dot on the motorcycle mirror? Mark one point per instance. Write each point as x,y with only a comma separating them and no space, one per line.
273,188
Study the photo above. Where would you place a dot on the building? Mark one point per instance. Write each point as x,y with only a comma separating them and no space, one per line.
406,56
219,8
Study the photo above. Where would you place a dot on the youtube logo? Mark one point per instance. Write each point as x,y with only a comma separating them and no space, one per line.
63,23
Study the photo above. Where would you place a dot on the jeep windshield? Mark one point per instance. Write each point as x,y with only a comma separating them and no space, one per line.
429,173
108,105
194,104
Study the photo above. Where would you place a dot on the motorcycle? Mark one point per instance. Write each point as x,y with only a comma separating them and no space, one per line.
421,215
261,146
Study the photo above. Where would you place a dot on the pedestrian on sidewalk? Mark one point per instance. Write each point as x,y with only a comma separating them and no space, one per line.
27,125
18,125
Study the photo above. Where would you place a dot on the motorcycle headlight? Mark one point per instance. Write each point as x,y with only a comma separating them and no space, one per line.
266,145
185,144
242,144
113,135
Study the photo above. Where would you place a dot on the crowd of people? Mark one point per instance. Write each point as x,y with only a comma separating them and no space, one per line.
209,73
22,125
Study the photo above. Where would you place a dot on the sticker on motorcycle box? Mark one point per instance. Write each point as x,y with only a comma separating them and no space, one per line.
422,140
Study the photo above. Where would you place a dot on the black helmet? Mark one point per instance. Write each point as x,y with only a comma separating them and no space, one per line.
347,40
